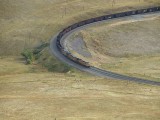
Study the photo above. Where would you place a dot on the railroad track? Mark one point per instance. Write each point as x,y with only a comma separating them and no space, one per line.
93,70
124,77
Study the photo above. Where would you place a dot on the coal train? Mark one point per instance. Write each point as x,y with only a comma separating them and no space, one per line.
92,20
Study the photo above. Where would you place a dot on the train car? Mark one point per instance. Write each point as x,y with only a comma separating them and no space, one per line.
76,25
110,16
120,15
66,30
64,52
72,57
144,10
106,17
77,60
154,9
81,62
128,13
58,45
60,35
81,23
139,11
133,12
89,21
149,10
98,19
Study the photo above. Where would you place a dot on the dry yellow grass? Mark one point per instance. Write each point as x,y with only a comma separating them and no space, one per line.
30,93
75,97
125,46
25,24
16,65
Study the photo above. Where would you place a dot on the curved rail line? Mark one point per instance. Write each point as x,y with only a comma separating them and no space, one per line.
93,70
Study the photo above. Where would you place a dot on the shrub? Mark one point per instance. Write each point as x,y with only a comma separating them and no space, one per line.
28,55
54,65
42,56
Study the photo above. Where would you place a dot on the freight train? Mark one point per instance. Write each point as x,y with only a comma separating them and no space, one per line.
92,20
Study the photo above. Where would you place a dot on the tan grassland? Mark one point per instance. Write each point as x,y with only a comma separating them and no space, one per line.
125,46
30,92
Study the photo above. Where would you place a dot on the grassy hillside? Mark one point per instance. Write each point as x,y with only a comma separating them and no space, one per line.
124,46
31,92
48,96
25,24
28,24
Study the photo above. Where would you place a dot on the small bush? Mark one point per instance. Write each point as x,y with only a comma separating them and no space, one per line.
53,65
31,55
28,55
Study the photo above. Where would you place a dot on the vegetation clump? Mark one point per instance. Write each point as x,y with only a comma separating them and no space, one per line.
28,55
42,56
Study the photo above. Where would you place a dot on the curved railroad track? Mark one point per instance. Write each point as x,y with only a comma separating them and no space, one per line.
93,70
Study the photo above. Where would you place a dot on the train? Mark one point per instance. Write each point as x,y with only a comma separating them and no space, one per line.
92,20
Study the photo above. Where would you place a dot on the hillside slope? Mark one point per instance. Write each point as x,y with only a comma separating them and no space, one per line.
25,24
126,46
30,92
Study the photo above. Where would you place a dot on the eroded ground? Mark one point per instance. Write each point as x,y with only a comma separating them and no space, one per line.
129,46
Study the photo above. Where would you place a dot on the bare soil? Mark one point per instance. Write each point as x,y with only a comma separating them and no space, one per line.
129,46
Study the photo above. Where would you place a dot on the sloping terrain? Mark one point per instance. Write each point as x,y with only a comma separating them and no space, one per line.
25,24
124,46
44,95
30,92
